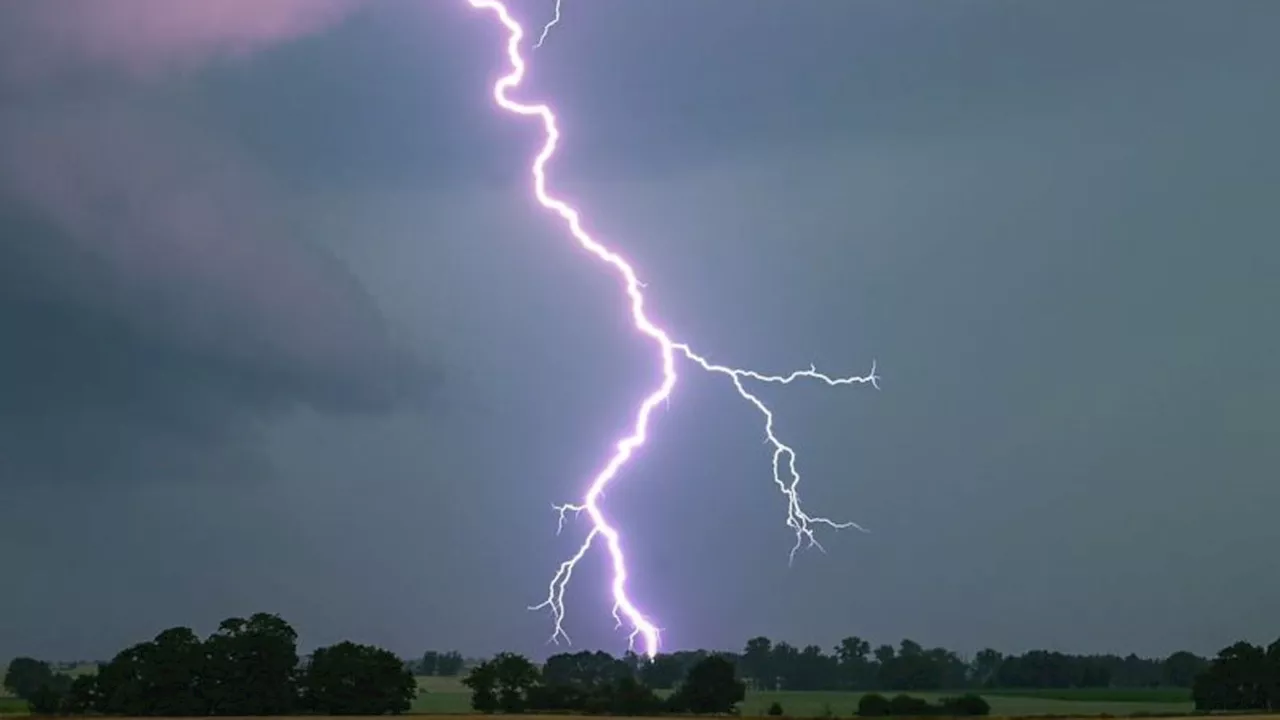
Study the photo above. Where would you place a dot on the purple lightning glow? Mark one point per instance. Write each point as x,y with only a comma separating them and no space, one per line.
624,610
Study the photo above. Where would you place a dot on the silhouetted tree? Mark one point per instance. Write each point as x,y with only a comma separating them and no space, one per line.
46,700
1242,677
856,671
430,662
351,679
483,683
82,697
664,671
985,666
442,664
584,670
122,683
450,664
26,676
162,677
1180,668
252,666
507,682
516,676
757,664
247,667
626,695
712,686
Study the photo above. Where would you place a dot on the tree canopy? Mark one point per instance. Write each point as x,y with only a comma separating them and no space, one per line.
247,667
251,667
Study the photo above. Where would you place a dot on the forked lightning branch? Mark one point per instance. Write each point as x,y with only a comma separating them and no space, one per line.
785,471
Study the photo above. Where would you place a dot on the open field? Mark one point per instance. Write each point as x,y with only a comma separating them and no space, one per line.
814,704
1125,695
448,696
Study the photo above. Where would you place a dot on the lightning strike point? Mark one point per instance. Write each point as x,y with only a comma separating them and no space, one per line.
785,473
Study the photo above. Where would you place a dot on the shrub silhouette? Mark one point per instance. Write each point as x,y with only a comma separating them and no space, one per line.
873,705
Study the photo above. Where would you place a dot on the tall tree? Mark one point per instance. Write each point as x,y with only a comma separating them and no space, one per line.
25,676
711,687
122,682
515,676
450,664
985,666
757,663
783,664
856,669
82,697
252,666
482,681
1180,668
1239,678
173,673
351,679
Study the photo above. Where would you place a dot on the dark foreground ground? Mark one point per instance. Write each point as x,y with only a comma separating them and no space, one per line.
447,696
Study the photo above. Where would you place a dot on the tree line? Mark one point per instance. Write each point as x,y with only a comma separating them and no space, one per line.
434,663
252,667
597,683
854,664
246,667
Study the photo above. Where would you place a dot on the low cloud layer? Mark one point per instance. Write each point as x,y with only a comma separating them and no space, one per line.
168,227
159,294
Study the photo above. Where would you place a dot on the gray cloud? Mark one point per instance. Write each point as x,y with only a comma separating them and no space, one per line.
1050,224
145,39
160,296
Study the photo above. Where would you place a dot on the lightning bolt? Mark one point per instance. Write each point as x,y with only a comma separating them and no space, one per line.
547,28
785,473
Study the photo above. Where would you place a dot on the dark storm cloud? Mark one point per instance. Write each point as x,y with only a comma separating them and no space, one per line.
1051,224
159,296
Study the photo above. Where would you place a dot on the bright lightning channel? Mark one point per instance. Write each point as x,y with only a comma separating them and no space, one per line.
547,28
785,473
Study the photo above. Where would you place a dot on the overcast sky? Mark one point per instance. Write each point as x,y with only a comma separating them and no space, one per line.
283,330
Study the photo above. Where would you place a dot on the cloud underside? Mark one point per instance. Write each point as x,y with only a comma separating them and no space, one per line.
145,39
157,299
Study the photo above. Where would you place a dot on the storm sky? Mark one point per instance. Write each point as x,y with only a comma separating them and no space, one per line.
283,330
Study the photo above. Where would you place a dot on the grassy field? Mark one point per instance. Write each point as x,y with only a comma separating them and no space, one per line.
812,704
1113,695
448,696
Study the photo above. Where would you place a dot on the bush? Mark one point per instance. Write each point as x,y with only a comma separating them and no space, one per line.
775,709
907,706
873,705
876,705
967,704
45,701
